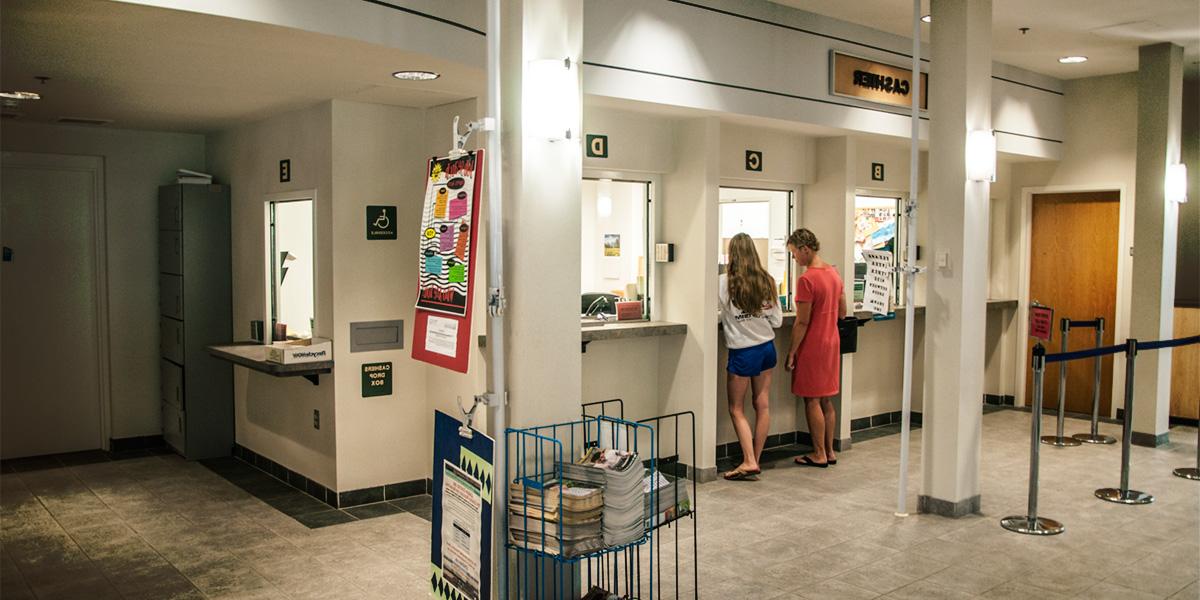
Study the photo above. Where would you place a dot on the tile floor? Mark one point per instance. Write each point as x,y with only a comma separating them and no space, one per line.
160,527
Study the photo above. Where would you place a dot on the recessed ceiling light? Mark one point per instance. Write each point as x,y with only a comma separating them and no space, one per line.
1068,60
927,18
416,75
16,95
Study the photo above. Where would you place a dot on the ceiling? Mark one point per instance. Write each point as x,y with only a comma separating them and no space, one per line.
1108,32
167,70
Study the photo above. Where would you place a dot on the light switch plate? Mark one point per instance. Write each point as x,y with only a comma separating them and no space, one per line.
943,259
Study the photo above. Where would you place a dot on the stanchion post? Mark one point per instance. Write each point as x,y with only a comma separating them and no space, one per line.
1124,495
1095,437
1030,523
1058,440
1192,473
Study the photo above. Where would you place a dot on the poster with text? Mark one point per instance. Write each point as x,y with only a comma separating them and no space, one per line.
445,273
461,532
877,293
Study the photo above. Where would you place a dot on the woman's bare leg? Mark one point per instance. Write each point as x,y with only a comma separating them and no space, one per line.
761,389
830,414
816,429
736,392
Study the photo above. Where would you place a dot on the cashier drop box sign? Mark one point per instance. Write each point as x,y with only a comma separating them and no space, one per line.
300,351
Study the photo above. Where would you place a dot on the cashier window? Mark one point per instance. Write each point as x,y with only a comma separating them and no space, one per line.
764,215
614,245
876,227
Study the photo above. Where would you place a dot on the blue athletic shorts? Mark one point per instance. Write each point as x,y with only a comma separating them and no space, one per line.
752,361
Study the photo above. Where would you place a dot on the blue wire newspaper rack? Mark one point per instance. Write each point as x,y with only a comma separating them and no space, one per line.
535,456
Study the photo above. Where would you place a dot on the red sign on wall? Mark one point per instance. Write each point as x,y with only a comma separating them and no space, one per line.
1041,322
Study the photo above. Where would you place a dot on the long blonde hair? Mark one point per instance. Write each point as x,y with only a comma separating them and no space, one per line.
750,286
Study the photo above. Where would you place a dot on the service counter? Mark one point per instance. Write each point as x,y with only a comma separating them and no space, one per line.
594,331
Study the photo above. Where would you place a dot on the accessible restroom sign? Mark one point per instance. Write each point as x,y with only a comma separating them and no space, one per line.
376,379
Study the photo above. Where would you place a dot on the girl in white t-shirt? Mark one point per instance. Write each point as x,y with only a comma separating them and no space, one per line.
750,312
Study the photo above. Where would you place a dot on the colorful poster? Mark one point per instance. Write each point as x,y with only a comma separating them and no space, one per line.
449,226
461,532
612,244
447,234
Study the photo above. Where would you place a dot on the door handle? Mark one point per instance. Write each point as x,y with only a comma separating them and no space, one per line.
8,254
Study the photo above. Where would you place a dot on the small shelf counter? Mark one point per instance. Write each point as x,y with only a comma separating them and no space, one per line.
253,356
594,331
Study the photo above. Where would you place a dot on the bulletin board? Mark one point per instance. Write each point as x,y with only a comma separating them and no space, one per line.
445,277
461,532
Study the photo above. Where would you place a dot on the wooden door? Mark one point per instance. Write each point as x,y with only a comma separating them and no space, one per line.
50,389
1073,268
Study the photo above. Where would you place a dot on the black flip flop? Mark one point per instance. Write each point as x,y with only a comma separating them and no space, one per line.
805,461
832,462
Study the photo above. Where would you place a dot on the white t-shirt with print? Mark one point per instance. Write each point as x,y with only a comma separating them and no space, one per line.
743,330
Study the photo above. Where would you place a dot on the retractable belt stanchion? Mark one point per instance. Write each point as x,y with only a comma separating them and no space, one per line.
1192,473
1124,495
1095,437
1058,439
1030,523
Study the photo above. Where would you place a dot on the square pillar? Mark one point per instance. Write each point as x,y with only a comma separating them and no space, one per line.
1155,232
957,210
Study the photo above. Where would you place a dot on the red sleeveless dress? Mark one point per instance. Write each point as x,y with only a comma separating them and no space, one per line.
818,360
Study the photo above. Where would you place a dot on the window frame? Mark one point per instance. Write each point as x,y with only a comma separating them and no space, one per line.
653,183
793,192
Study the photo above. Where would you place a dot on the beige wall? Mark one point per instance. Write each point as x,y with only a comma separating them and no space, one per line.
274,416
135,164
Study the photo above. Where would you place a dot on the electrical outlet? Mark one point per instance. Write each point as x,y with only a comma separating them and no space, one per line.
316,419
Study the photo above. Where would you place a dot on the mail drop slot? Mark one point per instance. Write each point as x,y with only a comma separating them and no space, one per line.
376,335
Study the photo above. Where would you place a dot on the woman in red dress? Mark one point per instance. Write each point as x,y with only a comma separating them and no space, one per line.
816,347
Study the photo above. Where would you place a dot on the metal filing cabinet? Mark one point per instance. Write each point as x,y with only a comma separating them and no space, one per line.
195,312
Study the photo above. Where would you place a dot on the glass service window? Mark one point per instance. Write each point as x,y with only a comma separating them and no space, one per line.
876,227
764,215
614,245
290,254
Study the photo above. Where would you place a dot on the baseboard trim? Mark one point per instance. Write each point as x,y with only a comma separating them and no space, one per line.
346,499
947,508
1150,440
141,442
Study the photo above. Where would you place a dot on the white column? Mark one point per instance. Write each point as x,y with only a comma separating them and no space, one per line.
1155,230
541,219
960,102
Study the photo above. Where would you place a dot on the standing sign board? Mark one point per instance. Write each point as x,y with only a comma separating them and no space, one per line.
461,534
877,291
449,226
1041,322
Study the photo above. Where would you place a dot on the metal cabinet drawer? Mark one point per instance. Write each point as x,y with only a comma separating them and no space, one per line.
171,385
170,296
173,427
170,209
171,339
170,252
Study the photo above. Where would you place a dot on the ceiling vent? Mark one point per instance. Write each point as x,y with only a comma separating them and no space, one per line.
83,121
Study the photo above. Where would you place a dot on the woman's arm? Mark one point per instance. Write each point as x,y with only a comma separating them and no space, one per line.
842,305
799,329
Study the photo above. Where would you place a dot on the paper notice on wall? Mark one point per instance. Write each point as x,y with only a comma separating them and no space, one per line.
877,292
462,512
441,336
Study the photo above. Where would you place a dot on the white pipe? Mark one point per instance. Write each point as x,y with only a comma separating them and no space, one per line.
910,210
497,417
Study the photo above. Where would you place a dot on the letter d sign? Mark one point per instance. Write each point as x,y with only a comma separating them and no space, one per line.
597,146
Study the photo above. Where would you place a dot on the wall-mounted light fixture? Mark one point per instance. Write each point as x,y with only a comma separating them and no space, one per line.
981,155
551,99
604,198
1175,186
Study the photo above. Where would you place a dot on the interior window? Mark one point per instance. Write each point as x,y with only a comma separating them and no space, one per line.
876,227
614,247
764,215
290,258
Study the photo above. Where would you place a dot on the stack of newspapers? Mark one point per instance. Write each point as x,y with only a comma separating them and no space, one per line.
558,518
620,473
670,498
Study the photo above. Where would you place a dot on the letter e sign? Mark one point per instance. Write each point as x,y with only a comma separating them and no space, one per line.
754,160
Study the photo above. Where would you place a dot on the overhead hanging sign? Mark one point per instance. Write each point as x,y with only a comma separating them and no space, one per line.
461,532
863,79
445,277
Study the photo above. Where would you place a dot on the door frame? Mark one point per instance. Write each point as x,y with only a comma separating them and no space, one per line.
1124,278
94,165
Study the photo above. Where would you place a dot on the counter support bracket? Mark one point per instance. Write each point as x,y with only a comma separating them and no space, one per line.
314,378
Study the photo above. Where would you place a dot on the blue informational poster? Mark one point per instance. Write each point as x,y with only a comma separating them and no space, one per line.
461,540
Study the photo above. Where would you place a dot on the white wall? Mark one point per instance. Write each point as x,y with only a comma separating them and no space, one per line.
273,415
135,164
637,143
